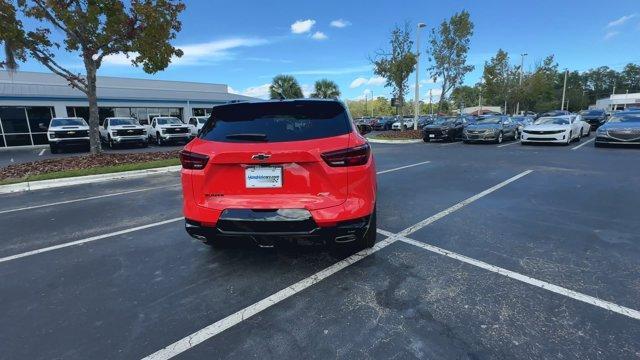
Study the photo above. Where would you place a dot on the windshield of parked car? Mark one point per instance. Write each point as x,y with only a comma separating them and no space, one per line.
168,121
625,118
552,121
68,122
202,119
126,121
592,112
489,120
277,121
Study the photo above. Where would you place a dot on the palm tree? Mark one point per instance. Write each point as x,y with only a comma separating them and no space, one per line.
285,87
326,89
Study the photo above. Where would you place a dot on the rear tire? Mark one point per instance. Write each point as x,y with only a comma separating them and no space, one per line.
500,138
368,240
425,139
159,141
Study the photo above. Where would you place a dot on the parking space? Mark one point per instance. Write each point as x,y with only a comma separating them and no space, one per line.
566,218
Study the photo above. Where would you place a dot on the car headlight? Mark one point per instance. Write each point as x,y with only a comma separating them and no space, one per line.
114,133
601,131
52,135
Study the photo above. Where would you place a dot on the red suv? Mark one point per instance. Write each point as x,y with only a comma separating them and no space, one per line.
285,169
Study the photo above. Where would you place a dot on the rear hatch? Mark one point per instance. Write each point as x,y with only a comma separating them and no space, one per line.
269,156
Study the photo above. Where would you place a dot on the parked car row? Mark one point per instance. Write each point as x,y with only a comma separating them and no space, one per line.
115,131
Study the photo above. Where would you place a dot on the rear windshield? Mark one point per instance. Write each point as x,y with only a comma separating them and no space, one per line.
276,122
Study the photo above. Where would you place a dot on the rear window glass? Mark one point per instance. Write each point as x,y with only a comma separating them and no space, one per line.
276,121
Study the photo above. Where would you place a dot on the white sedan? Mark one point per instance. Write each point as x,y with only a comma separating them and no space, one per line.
555,129
408,124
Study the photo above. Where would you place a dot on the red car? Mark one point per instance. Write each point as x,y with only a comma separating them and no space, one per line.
285,169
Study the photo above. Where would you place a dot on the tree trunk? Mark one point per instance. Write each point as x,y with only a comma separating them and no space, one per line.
92,96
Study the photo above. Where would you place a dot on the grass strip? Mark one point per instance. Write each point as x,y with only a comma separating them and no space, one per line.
95,171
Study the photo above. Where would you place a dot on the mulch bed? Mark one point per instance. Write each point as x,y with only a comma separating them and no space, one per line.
17,171
398,135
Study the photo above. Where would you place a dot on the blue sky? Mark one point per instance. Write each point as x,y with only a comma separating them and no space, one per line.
244,44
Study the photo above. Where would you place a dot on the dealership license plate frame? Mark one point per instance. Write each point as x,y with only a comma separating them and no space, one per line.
264,170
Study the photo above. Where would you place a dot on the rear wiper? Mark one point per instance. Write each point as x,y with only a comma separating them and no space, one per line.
256,137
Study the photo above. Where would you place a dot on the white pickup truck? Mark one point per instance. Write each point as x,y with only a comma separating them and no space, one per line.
66,132
169,129
117,131
196,123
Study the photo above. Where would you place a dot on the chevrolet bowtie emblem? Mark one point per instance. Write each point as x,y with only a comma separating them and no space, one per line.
260,157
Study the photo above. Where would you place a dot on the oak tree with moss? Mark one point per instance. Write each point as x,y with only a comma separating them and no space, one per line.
93,29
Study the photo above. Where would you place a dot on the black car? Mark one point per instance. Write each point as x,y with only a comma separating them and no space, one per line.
445,128
622,128
383,123
595,117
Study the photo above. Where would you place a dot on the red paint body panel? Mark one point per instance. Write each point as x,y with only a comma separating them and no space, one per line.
331,194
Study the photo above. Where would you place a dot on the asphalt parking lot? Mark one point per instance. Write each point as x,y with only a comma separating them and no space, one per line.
484,251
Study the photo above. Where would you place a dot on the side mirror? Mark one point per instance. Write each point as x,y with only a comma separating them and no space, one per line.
42,126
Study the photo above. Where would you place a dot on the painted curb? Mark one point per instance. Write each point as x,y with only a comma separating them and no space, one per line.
55,183
381,141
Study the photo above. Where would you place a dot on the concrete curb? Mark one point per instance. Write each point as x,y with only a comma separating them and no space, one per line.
55,183
381,141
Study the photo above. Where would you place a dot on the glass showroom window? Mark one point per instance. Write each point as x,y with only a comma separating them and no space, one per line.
24,126
39,118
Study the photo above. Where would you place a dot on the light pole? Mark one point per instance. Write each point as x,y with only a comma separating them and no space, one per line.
520,81
564,88
416,99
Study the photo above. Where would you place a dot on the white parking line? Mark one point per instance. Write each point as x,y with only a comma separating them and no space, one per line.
458,206
219,326
87,240
511,143
607,305
450,143
402,167
42,152
583,144
85,199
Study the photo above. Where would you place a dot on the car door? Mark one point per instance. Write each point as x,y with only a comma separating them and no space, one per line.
152,132
103,130
576,126
193,126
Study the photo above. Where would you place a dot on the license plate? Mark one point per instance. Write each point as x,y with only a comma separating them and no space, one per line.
263,177
432,135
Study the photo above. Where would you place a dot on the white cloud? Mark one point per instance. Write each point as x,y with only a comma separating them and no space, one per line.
260,91
377,81
357,82
306,89
231,90
373,81
197,54
340,23
319,35
611,34
433,96
621,20
302,26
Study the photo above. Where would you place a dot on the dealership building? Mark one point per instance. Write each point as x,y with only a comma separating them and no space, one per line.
28,101
619,102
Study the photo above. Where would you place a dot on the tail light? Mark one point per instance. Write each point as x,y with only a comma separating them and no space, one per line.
193,161
358,155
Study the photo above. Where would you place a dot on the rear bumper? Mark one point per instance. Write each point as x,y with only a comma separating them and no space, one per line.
265,232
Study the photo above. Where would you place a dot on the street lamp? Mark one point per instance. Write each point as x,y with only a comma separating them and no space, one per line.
416,99
564,89
520,81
